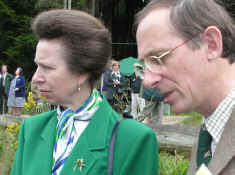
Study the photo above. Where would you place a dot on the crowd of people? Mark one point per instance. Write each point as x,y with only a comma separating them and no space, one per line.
12,91
141,103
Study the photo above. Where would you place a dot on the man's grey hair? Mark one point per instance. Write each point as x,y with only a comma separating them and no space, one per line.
192,17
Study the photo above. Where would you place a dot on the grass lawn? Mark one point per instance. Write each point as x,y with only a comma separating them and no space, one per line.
194,119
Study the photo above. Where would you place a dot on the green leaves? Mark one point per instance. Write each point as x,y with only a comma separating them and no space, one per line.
173,164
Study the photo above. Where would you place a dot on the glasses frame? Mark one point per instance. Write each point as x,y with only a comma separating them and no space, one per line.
158,58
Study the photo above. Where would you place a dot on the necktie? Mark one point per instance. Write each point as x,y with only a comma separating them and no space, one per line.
204,154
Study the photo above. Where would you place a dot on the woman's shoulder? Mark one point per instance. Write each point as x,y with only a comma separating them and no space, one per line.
133,127
132,134
41,117
40,121
21,77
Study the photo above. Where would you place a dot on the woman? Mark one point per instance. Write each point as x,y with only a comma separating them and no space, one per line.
16,96
72,53
115,82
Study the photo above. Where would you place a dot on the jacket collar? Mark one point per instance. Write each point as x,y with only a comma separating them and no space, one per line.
91,142
93,139
98,125
48,133
225,150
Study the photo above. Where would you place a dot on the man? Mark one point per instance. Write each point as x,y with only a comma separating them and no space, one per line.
187,47
104,79
137,102
4,86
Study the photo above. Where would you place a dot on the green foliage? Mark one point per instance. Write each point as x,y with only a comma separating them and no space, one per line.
194,120
49,4
21,53
8,146
17,42
173,164
31,107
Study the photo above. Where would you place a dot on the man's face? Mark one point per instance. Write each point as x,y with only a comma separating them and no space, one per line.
4,69
181,77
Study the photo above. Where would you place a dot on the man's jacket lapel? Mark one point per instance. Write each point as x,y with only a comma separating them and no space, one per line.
225,150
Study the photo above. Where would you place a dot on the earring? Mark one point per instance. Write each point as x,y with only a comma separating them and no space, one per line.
79,87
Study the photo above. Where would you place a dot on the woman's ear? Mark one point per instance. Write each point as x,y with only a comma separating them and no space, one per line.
212,37
82,78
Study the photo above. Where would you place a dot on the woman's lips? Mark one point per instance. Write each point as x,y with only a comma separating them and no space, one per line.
44,92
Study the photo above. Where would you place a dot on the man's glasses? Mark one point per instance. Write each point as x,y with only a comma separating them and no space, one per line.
152,63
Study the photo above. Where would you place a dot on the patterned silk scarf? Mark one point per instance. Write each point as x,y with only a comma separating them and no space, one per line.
66,134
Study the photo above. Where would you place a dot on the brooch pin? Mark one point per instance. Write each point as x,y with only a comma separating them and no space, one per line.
207,154
79,163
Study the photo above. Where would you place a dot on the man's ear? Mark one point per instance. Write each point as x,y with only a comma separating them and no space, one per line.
212,37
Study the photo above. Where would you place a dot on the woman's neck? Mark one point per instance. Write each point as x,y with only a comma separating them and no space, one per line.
80,98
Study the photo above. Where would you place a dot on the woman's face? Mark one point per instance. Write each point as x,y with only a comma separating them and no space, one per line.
115,67
17,71
53,78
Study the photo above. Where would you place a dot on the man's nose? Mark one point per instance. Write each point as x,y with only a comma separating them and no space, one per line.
37,77
151,79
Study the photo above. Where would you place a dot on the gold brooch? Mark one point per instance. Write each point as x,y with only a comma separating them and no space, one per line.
79,163
207,154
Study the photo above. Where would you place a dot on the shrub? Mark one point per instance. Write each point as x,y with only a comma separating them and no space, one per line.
173,164
31,107
8,146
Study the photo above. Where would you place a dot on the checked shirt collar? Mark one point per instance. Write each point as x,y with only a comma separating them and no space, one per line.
216,122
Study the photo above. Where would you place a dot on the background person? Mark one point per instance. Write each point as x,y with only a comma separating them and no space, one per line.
4,88
115,82
17,93
153,109
72,53
105,77
190,60
137,102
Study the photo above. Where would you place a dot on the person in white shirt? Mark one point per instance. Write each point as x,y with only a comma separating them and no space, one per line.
5,79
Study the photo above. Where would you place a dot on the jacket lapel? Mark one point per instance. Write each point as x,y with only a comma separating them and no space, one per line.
92,140
48,140
225,150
